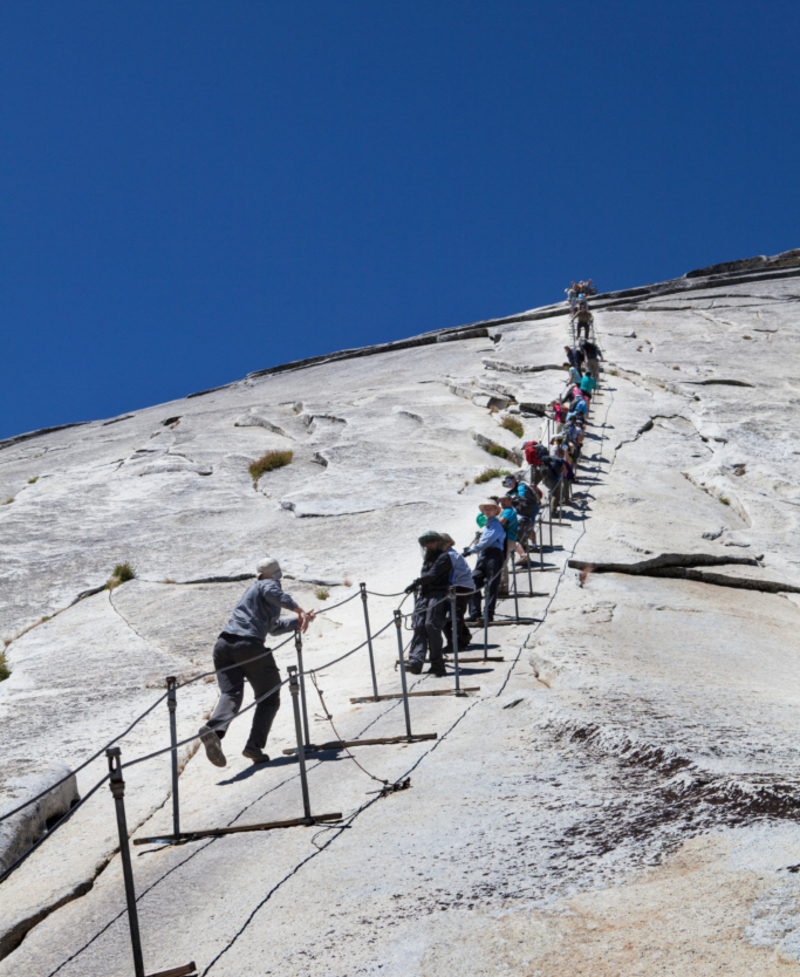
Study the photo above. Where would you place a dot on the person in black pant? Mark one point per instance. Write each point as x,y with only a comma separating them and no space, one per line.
255,616
491,549
431,605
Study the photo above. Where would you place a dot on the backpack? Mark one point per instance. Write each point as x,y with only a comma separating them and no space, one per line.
534,452
531,453
524,504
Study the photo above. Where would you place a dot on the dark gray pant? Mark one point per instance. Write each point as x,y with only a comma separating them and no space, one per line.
487,570
430,616
263,675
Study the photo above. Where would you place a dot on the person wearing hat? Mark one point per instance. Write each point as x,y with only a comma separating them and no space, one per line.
255,616
491,550
461,579
430,606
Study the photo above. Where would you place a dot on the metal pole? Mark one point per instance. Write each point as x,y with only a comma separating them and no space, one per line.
172,705
550,515
363,587
528,557
514,575
486,620
398,623
560,498
298,644
117,785
294,688
541,541
454,624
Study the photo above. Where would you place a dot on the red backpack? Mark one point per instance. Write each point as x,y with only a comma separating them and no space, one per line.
534,452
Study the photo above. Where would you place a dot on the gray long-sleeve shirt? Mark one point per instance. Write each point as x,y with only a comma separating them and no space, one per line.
462,575
257,613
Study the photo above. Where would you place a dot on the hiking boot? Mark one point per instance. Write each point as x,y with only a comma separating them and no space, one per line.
253,753
439,672
213,746
414,667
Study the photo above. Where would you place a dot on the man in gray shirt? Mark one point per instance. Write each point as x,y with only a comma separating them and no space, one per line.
255,616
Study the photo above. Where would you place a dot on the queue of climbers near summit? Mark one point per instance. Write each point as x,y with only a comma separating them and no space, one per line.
449,595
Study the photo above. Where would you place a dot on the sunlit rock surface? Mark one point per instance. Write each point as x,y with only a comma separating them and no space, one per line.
621,795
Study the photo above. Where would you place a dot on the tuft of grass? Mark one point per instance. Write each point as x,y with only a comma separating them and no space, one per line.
747,337
5,668
321,593
489,473
513,425
8,501
724,501
269,462
122,573
676,368
498,451
47,617
34,480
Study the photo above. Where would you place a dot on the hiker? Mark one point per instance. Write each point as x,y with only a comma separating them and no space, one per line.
574,377
559,415
490,548
510,522
584,320
572,296
591,355
461,579
578,408
430,607
535,455
526,501
573,438
588,385
574,357
254,617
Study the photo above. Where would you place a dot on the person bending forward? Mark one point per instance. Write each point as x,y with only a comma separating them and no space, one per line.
255,616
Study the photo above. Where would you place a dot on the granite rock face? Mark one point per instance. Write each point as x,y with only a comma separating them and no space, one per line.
621,795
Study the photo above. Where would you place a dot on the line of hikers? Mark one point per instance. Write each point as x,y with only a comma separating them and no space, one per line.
506,525
578,298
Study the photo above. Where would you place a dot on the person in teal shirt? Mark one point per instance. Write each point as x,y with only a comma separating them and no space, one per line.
588,384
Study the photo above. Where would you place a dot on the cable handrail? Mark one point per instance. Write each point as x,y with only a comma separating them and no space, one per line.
269,651
196,678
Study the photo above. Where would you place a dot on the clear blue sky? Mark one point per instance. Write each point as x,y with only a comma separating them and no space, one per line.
195,190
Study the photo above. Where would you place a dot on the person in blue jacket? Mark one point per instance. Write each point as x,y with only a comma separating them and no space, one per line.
491,553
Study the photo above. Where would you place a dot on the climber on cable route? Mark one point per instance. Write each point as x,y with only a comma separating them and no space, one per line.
431,606
584,319
526,500
461,579
491,553
254,617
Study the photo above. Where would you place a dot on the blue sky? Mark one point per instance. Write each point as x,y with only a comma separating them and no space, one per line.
192,191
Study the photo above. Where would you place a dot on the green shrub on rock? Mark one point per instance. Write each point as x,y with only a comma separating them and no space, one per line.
269,462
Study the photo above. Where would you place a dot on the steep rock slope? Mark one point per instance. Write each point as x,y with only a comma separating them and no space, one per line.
639,735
